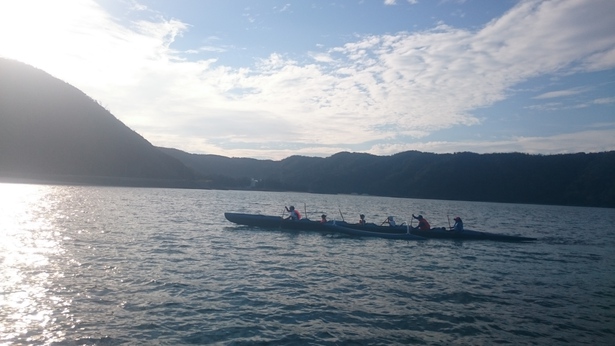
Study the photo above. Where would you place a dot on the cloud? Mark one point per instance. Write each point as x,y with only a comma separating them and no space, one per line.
284,8
604,101
583,141
600,61
549,106
394,2
376,88
561,93
558,106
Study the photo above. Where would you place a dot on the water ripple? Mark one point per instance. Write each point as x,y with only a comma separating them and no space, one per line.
111,266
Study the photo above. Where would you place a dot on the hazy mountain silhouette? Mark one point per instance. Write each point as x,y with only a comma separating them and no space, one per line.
569,179
50,129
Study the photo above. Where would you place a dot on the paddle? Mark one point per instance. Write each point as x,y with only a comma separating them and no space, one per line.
341,214
385,221
388,220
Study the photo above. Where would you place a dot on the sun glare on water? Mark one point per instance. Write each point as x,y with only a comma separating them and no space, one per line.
21,219
27,241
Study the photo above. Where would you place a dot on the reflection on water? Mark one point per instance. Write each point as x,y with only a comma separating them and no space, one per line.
28,240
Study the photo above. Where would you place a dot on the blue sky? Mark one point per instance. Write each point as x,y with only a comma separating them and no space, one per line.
270,79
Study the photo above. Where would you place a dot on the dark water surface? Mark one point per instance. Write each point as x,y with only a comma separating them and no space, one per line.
110,266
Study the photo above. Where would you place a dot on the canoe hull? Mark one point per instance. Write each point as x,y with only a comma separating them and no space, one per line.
267,221
275,222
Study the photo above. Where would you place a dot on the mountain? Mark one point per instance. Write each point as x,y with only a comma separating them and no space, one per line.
216,165
568,179
51,130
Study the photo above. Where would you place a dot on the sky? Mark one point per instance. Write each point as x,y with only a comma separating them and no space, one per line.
269,79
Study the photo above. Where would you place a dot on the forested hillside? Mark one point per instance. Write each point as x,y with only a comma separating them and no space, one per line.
570,179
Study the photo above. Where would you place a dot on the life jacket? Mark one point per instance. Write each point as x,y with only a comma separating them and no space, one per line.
424,225
298,214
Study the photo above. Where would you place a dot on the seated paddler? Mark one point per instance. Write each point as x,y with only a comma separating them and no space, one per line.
423,223
390,220
458,226
361,219
295,215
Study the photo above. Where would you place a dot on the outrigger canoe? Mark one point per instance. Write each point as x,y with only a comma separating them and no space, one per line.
276,222
439,232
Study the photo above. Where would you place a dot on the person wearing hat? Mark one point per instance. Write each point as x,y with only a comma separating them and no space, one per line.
423,223
458,226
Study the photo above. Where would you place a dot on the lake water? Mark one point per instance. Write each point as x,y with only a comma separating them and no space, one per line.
110,266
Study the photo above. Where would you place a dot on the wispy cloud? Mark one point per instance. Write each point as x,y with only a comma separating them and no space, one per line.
558,106
561,93
378,87
583,141
394,2
604,101
549,106
284,8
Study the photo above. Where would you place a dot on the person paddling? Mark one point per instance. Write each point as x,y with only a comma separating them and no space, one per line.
390,220
361,219
295,215
423,223
458,226
323,218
